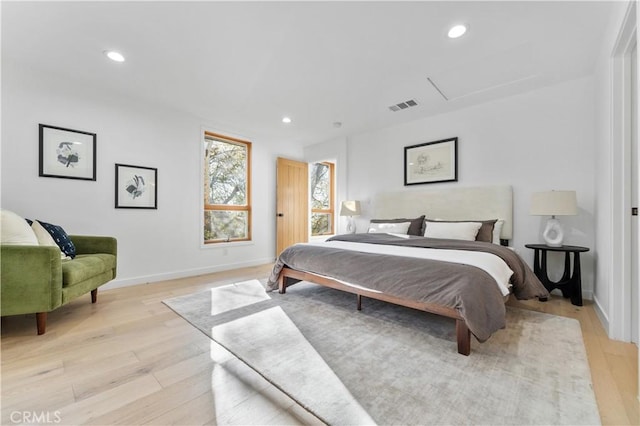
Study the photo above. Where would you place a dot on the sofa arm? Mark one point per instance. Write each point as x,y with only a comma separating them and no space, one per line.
31,279
90,244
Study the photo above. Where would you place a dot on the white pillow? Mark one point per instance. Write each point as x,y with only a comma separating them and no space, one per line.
389,228
44,238
452,230
15,230
497,229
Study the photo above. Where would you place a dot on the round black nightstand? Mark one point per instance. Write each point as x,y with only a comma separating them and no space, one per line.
570,284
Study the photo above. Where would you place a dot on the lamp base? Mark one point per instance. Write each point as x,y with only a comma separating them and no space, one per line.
351,226
553,234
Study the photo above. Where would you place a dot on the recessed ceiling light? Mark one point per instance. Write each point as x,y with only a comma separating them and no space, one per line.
286,120
114,56
457,31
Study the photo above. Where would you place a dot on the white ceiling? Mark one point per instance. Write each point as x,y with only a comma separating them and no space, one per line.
244,65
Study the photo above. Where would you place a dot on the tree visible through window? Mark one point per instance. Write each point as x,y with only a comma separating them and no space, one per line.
227,195
322,204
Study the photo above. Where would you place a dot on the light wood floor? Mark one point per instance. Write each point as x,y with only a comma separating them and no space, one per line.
130,360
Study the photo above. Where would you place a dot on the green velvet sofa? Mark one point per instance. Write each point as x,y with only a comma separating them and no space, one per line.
36,280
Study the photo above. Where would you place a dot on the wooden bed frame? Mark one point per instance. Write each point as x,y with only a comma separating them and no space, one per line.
450,203
463,334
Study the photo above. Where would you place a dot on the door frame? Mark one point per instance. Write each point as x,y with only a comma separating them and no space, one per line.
620,260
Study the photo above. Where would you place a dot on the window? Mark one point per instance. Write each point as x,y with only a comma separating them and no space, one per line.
322,199
227,189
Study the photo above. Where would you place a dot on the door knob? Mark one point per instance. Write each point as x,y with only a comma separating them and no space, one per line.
280,215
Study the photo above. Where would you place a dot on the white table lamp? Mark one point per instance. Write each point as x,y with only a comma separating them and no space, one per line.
350,208
554,203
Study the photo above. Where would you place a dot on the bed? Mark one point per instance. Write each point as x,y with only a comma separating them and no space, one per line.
460,278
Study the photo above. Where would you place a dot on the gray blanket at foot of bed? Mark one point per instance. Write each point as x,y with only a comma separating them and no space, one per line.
467,289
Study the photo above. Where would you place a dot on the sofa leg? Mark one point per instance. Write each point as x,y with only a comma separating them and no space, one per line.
41,322
94,295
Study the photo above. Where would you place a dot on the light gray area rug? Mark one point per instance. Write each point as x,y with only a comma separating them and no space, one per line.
393,365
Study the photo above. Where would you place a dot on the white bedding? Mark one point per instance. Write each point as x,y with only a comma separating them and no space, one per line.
491,264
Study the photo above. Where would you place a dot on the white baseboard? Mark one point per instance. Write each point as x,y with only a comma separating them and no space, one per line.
147,279
587,294
602,315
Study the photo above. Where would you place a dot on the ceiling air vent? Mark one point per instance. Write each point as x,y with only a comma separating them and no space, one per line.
403,105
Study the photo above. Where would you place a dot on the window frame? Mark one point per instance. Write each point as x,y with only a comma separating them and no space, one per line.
332,201
226,207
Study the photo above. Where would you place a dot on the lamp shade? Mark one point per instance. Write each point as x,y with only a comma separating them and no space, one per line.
554,203
350,208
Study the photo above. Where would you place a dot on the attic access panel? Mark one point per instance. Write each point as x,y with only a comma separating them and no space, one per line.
491,72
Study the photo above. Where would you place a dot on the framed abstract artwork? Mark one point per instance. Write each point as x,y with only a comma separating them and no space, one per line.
431,162
67,153
136,187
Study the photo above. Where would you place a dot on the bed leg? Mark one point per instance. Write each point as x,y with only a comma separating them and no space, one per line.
464,337
282,288
359,298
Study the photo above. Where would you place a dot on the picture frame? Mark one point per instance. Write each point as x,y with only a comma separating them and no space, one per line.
431,162
66,153
136,187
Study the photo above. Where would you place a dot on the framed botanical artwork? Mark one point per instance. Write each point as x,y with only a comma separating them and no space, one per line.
67,153
431,162
136,187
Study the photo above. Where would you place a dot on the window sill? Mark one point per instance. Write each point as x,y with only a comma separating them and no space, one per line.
226,244
320,237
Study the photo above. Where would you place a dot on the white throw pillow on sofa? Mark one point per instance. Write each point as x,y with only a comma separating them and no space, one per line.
15,230
44,238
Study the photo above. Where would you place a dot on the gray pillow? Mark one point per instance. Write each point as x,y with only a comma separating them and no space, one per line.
414,229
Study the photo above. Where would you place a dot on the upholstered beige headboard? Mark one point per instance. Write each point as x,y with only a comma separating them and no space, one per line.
451,203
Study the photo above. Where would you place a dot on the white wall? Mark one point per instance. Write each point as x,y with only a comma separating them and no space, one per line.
536,141
602,183
152,244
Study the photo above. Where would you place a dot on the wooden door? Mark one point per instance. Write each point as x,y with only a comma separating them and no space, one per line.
292,203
